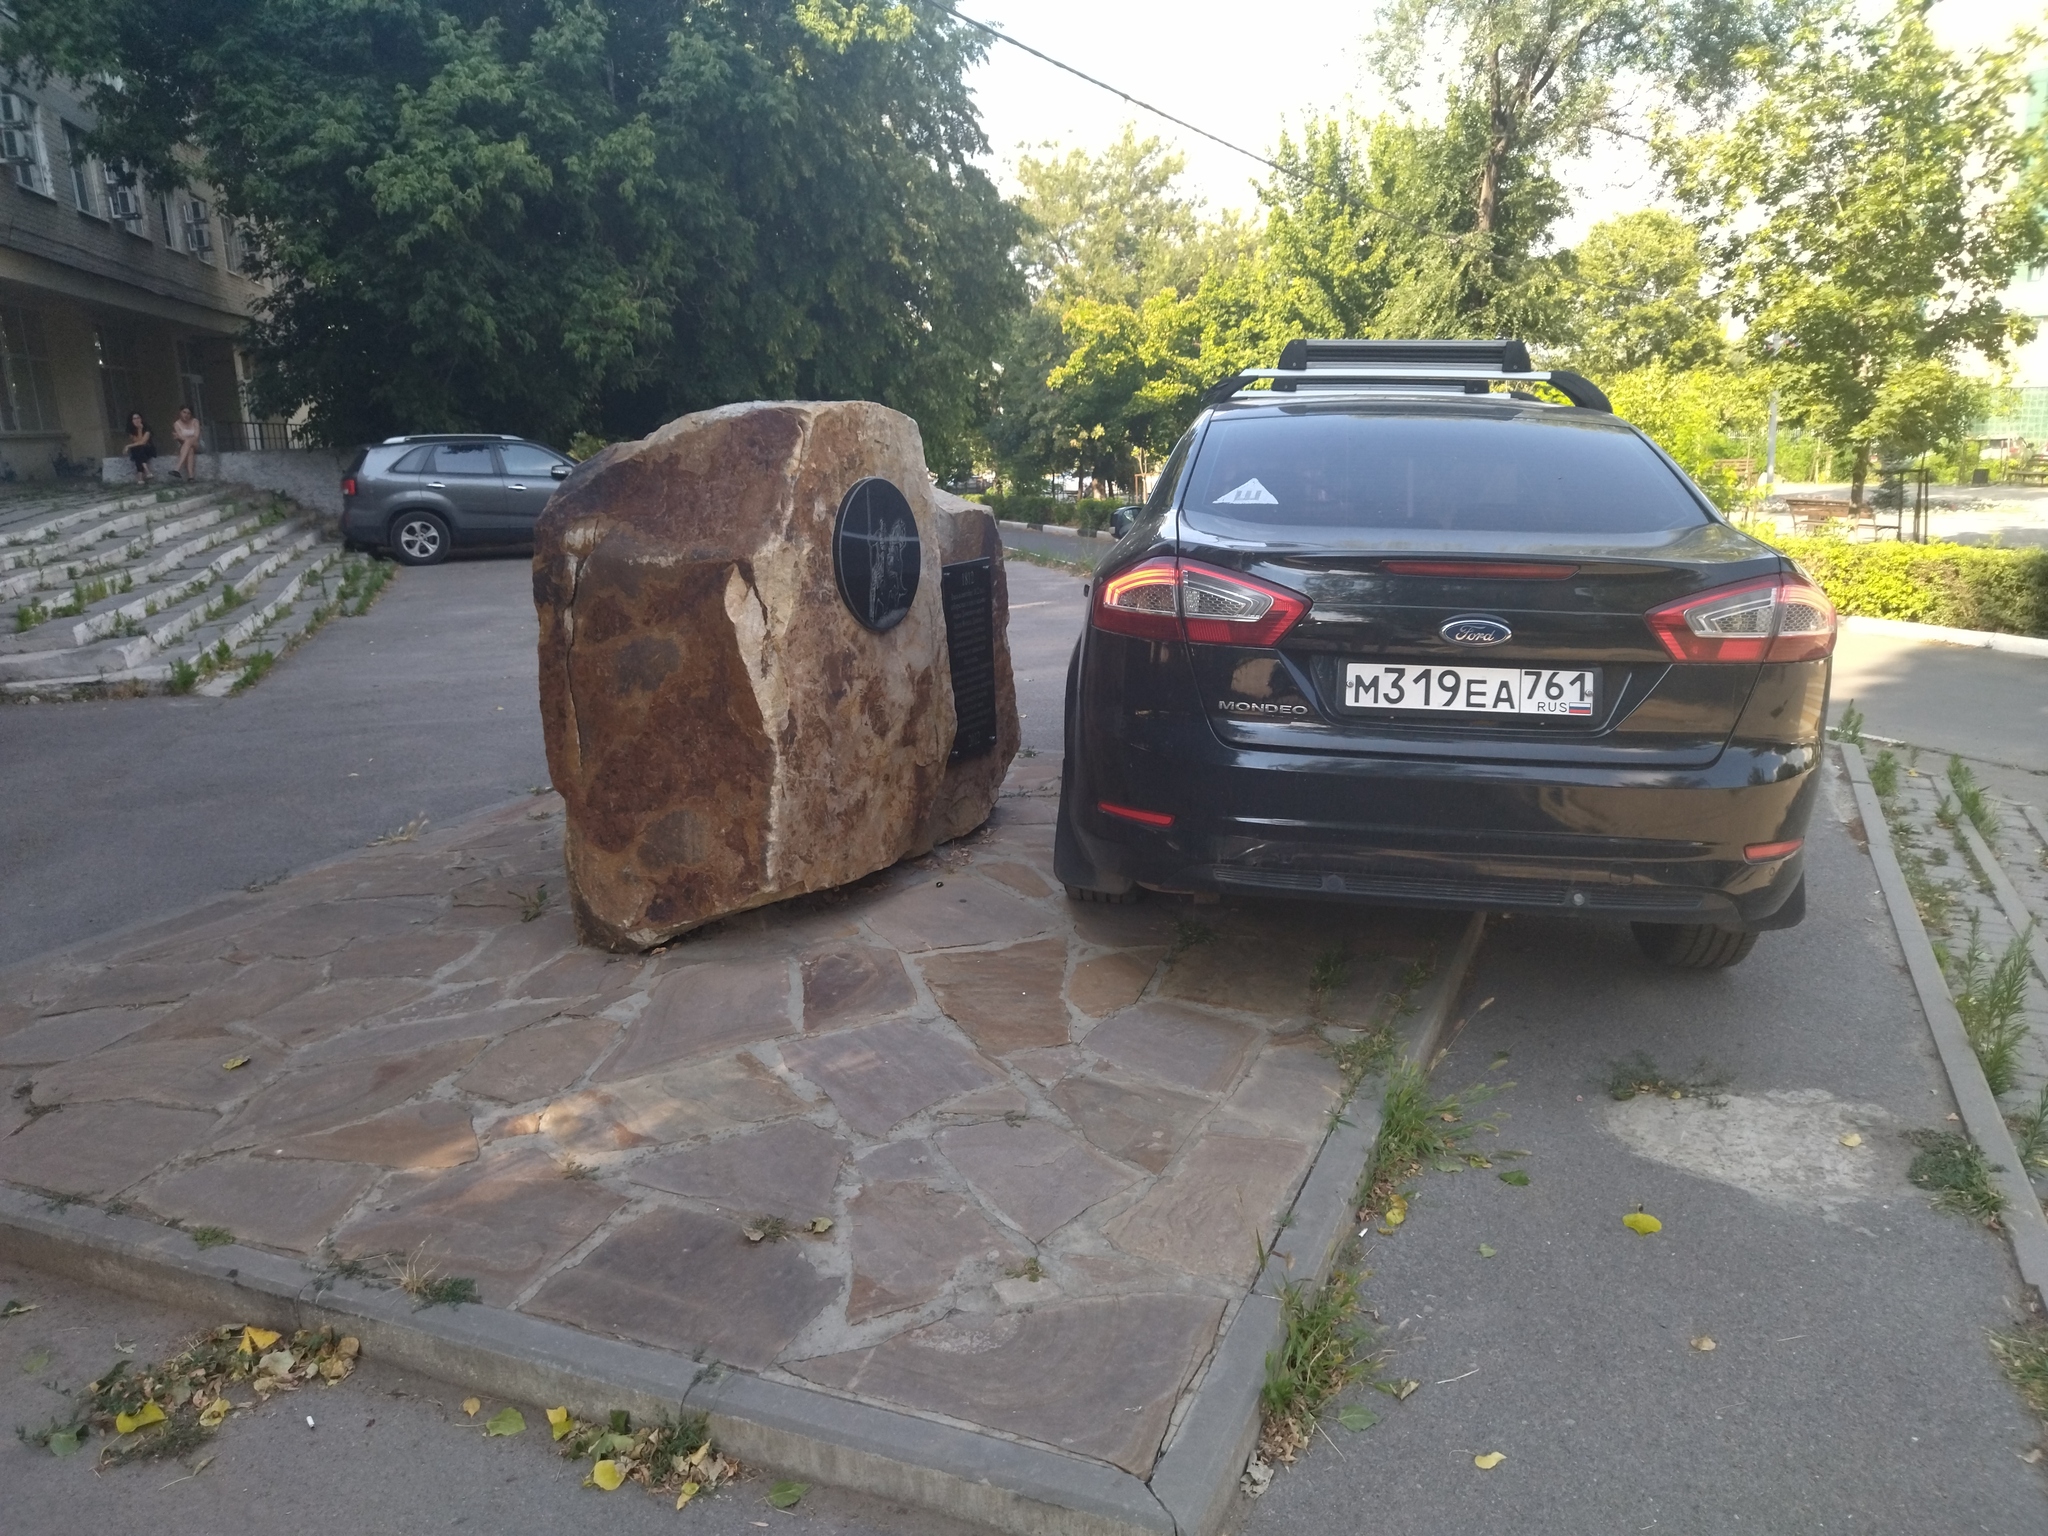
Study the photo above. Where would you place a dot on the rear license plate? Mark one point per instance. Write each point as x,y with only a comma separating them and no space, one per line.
1471,690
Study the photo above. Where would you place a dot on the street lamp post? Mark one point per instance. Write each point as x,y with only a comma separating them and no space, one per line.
1777,341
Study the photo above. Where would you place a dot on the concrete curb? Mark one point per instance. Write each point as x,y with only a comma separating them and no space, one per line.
1002,1484
1059,529
1941,634
1196,1479
2024,1222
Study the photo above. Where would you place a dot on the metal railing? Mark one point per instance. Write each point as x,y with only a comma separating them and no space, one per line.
253,437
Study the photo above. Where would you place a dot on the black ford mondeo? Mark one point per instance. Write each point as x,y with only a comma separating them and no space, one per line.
1393,629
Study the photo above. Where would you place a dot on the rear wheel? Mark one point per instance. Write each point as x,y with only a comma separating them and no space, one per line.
1693,946
419,538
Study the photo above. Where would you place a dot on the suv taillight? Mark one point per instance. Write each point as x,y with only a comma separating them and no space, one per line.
348,486
1780,618
1164,599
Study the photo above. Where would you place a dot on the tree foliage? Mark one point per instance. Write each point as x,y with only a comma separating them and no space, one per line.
1871,206
1637,297
545,215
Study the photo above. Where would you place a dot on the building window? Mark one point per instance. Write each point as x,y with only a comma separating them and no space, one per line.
87,176
234,252
120,375
197,221
124,199
21,142
28,399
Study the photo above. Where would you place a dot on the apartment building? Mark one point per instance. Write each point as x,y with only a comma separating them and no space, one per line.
113,298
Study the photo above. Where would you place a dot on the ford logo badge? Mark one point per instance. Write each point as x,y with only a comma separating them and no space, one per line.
1476,630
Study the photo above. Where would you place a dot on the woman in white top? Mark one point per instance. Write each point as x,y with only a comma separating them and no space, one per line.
186,430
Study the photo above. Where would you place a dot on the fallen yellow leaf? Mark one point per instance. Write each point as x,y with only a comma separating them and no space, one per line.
1405,1390
821,1225
1703,1344
700,1453
1642,1222
1490,1460
235,1061
607,1475
349,1347
211,1415
128,1423
472,1406
688,1492
1397,1211
255,1340
1852,1140
558,1421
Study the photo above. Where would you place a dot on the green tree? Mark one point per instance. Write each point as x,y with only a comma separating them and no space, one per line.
1871,207
1637,297
1531,82
546,215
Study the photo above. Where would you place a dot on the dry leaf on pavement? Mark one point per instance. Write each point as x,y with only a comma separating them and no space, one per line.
1642,1222
1490,1460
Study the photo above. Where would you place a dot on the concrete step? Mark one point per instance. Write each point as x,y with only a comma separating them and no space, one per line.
170,583
51,523
215,527
282,608
34,518
104,546
243,567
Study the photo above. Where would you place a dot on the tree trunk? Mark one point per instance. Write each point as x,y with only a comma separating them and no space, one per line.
1859,474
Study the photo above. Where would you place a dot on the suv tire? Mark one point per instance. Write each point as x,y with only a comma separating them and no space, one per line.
1694,946
418,538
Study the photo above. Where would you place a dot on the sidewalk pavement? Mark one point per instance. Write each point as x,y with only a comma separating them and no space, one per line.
1047,1143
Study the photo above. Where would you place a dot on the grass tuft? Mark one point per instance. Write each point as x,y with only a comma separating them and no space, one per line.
2030,1132
2023,1355
211,1237
1970,799
1849,727
1958,1173
1991,1000
1324,1351
1884,774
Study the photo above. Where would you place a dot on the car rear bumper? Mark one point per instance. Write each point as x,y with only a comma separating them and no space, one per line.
1647,845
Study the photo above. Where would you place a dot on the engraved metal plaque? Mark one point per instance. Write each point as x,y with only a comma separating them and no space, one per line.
876,555
967,592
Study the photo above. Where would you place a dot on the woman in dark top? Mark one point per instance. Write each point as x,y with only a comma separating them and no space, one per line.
141,446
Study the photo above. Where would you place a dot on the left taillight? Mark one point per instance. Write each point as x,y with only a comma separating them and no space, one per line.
1167,599
1781,618
348,486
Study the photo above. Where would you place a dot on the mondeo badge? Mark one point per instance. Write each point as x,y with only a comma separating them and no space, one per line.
1476,629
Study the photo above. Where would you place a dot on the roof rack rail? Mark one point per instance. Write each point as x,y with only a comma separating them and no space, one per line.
1470,366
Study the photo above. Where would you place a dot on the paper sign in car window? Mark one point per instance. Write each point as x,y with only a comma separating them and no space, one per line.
1251,493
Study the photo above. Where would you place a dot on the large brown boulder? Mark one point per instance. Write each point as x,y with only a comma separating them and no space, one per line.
725,732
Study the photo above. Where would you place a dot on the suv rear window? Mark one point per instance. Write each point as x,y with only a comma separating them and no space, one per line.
1482,471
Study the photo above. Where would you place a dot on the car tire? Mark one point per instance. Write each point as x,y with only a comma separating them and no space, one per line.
1108,898
1694,946
418,538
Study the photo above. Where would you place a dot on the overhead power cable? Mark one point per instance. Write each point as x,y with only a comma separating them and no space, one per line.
1103,85
1291,173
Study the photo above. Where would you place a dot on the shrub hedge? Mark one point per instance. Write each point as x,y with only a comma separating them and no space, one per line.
1025,507
1959,585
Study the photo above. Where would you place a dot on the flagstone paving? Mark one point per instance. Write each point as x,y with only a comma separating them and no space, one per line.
1010,1159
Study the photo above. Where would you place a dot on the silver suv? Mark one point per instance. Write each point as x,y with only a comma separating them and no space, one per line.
419,497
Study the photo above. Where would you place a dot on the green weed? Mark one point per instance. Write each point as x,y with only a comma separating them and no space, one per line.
1958,1173
1884,774
1970,798
2030,1132
1991,1001
1322,1354
2023,1355
184,677
1849,727
211,1237
532,904
257,669
28,616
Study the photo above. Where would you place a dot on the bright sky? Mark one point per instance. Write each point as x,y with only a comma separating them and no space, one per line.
1247,71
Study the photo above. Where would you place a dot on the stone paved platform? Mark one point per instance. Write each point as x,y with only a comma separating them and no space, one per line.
1047,1141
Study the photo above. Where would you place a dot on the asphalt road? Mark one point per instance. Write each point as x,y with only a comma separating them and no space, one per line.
1850,1388
1987,705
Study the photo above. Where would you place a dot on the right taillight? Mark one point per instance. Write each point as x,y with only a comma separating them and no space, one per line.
348,486
1780,618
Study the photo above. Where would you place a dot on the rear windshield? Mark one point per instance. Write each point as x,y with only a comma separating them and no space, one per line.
1313,468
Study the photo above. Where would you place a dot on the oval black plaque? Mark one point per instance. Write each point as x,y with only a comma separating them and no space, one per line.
876,553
